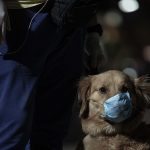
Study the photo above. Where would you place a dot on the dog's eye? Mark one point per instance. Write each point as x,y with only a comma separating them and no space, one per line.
124,89
103,90
94,101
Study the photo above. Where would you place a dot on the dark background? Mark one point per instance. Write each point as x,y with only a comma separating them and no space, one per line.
126,40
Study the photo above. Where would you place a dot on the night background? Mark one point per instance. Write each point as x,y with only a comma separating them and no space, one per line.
126,40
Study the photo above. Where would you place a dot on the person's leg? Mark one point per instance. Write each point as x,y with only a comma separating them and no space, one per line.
16,99
56,93
17,85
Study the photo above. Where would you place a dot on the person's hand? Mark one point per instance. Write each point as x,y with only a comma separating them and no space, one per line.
2,20
95,56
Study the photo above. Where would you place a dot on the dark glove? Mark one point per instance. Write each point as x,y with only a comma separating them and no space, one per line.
94,54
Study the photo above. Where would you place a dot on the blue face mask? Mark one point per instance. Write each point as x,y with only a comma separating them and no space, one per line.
118,108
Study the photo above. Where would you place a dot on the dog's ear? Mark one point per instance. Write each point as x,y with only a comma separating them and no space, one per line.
83,94
142,85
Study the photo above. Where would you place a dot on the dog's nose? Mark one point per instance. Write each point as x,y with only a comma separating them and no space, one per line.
118,108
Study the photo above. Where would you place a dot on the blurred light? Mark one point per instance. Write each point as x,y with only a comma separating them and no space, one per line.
146,53
128,5
130,72
111,36
113,18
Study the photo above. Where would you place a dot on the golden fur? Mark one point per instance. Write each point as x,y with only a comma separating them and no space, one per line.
131,134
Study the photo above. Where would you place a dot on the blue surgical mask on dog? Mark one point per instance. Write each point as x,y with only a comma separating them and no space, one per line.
118,108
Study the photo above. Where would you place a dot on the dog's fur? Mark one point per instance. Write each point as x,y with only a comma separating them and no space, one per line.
131,134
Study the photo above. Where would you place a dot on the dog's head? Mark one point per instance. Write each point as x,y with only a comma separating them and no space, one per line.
95,90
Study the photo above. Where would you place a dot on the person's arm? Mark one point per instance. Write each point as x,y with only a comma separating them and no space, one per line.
82,13
2,20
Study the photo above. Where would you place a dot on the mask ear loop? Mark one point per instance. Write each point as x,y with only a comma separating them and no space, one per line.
93,116
28,31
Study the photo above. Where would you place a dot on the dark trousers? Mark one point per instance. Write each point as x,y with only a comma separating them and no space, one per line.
38,81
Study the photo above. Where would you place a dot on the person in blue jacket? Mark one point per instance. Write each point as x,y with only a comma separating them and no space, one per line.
41,60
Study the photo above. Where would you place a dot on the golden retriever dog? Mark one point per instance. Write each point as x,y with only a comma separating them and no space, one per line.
107,124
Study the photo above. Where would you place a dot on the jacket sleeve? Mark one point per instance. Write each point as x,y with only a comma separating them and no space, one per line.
2,20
